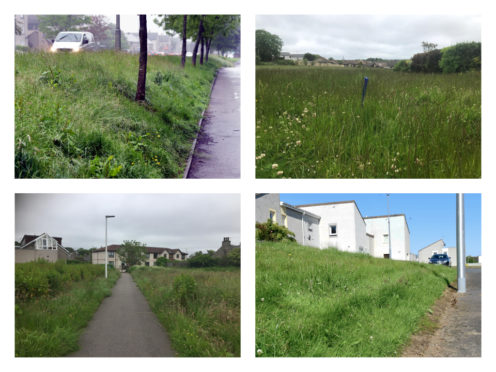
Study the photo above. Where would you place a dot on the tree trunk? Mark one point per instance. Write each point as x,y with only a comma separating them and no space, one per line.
143,36
202,50
198,39
183,51
209,42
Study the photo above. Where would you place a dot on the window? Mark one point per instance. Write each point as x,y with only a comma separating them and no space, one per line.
272,215
284,218
333,230
111,254
177,255
155,255
147,263
385,238
111,263
44,243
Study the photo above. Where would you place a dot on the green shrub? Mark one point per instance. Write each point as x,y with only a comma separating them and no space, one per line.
185,289
273,232
39,279
402,66
162,261
461,57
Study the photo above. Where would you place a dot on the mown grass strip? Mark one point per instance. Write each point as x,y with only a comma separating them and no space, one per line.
202,314
313,302
50,325
76,116
310,124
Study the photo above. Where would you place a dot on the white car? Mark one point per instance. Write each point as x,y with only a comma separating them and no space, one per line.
73,41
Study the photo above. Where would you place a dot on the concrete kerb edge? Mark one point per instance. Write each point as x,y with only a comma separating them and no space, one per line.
200,123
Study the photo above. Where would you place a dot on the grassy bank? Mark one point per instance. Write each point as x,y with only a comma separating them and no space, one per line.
54,303
76,117
310,123
199,308
312,302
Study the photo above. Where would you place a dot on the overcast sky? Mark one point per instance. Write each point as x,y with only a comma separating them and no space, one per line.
364,36
190,222
130,23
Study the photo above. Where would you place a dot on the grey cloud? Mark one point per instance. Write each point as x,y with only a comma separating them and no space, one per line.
363,36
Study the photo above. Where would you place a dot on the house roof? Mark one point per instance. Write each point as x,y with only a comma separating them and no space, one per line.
330,203
28,239
298,210
115,247
440,240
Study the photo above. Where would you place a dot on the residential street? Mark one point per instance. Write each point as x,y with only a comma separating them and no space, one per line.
459,333
124,326
217,152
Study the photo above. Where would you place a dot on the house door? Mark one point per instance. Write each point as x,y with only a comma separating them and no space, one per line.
386,255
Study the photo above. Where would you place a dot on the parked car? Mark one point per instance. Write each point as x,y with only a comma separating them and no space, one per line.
440,259
73,41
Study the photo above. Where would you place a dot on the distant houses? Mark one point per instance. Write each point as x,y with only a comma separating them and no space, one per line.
298,58
153,253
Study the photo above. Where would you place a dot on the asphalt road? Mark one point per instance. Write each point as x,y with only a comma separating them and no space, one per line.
460,331
124,326
217,152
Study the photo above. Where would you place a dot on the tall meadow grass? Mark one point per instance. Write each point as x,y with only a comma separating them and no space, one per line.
310,124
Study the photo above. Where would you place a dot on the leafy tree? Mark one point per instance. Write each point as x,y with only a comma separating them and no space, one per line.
176,24
234,257
226,42
143,36
271,231
461,57
309,56
132,252
200,259
98,27
162,261
267,46
426,62
402,66
51,25
220,26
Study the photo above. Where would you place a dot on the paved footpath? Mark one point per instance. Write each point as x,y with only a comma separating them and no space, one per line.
460,332
217,152
124,326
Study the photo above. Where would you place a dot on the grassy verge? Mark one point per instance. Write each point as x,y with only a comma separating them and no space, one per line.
199,308
313,302
49,323
310,124
76,117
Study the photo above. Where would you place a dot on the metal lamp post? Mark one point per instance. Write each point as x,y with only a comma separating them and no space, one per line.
106,254
460,243
389,229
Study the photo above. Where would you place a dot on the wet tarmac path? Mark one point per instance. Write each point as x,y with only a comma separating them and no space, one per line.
217,151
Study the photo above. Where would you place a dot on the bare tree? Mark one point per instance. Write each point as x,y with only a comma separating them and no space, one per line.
143,36
428,46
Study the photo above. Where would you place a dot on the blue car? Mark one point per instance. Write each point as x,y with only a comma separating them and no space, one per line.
440,259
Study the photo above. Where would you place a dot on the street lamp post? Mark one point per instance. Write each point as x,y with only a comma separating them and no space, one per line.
389,229
106,253
460,243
